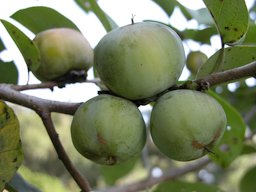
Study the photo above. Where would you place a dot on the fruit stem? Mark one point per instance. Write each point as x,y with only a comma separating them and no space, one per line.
132,19
209,151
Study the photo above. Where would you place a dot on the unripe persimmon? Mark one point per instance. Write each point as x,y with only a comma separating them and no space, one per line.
108,130
195,60
186,124
140,60
62,50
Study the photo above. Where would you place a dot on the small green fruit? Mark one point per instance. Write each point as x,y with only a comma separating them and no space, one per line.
186,124
195,60
139,60
108,130
62,50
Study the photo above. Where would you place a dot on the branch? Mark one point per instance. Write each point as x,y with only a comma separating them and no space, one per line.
8,93
248,70
47,120
168,175
51,85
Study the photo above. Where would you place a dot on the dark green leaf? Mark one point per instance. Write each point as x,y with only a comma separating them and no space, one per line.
247,183
231,18
167,6
231,144
252,124
232,57
112,173
243,99
11,155
179,186
2,47
38,19
9,72
184,11
26,46
248,148
92,5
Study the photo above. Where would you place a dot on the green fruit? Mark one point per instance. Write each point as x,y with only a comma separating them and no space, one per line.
62,50
139,60
195,60
108,130
186,124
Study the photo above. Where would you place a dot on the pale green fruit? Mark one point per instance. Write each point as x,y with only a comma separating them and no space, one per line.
108,130
139,60
186,124
195,60
62,50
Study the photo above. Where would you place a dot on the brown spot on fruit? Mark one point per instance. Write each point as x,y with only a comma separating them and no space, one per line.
197,145
101,139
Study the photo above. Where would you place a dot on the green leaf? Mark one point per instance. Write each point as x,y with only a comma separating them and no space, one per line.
231,18
167,6
202,16
232,57
252,124
9,72
247,183
248,148
26,46
250,35
184,11
11,155
179,186
201,35
2,47
105,19
41,18
112,173
231,144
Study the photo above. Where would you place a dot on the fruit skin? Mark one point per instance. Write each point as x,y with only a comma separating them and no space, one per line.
139,60
186,124
62,50
195,60
108,130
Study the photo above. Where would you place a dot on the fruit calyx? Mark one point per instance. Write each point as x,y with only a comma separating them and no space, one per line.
198,85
